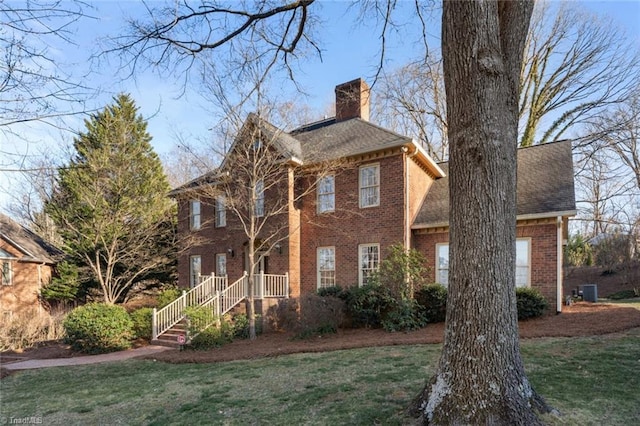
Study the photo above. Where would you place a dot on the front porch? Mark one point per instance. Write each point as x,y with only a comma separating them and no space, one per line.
169,323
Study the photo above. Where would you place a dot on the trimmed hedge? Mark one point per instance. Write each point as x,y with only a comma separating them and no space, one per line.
531,303
142,319
98,328
433,300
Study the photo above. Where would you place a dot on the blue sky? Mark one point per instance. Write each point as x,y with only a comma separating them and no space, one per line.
349,51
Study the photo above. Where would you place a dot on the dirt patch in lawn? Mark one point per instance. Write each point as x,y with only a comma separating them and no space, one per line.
581,319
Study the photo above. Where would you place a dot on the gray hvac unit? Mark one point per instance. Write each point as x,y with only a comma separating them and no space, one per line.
590,293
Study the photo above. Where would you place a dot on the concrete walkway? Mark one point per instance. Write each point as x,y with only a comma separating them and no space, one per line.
84,360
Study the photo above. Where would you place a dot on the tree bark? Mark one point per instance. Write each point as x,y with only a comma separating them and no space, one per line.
480,377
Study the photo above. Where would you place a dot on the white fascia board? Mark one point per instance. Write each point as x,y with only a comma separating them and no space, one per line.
533,216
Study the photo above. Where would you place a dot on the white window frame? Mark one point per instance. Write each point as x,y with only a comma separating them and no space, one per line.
259,207
221,264
194,272
368,270
326,198
524,242
7,272
365,187
195,212
439,267
326,270
221,212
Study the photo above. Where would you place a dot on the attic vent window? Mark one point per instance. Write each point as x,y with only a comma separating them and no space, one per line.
7,272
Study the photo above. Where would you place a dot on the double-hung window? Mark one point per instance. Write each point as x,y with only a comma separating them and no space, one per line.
442,264
369,183
195,268
326,267
221,264
194,215
259,194
221,212
326,194
369,256
523,262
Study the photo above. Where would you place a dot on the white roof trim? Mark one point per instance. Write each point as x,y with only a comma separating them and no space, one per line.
18,246
532,216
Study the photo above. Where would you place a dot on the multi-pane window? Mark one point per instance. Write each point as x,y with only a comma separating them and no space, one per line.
194,214
221,212
369,261
7,272
221,264
326,194
442,264
195,269
259,211
369,183
326,267
522,262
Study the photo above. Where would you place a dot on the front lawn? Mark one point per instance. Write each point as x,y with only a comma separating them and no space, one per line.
591,380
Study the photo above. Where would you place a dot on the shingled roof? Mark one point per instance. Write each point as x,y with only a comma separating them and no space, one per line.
545,186
32,247
329,140
317,142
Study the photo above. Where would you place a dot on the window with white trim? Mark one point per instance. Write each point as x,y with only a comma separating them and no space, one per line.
7,272
221,264
442,264
326,194
523,262
221,212
259,210
326,267
369,185
369,255
195,268
194,214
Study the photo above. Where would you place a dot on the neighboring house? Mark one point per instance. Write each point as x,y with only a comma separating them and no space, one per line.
389,191
28,263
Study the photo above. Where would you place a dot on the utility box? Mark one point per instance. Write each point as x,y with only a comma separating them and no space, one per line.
590,293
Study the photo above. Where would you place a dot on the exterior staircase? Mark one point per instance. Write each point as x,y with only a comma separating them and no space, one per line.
170,324
171,337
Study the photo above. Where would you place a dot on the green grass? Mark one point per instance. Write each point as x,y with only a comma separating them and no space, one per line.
590,380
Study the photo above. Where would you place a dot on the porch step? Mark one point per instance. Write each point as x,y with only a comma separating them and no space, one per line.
170,337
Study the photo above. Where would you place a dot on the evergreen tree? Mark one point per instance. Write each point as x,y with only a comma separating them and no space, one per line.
111,203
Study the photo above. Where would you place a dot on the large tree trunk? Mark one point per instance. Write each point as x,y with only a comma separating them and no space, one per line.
480,377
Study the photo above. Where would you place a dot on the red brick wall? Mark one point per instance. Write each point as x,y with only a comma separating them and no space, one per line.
543,254
543,258
209,241
350,225
21,296
345,229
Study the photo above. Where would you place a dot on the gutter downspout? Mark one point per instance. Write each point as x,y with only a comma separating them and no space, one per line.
407,231
559,277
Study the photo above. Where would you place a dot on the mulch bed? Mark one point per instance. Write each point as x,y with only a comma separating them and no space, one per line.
580,319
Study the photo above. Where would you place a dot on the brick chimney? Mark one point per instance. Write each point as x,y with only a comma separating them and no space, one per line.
352,100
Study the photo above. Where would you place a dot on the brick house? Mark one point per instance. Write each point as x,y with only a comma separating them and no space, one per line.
28,263
387,190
